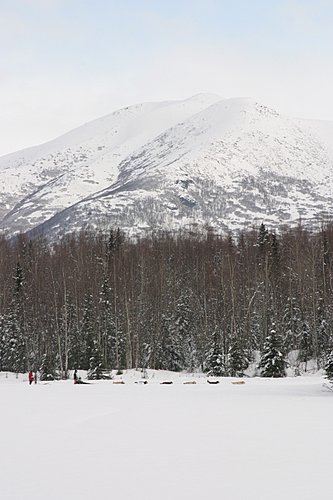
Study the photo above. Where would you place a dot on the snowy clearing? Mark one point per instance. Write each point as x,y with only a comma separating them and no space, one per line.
265,439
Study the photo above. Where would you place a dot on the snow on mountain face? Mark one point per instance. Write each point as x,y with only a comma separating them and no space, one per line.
227,163
37,183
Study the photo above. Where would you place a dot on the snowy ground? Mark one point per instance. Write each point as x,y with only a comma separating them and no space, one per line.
263,440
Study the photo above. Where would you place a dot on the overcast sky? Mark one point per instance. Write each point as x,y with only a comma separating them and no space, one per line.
65,62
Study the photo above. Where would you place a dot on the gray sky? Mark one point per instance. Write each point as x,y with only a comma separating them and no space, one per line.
65,62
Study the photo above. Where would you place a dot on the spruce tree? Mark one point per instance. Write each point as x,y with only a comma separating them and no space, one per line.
306,347
95,371
214,358
322,332
329,368
262,239
291,324
14,352
272,363
324,339
46,370
169,354
237,359
107,326
13,326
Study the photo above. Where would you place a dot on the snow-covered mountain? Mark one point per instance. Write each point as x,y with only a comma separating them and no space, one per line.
226,163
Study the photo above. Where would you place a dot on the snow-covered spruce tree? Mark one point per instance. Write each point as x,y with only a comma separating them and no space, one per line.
324,340
262,237
14,357
272,363
214,359
46,370
329,368
306,347
18,353
169,355
95,371
15,348
5,360
107,326
322,332
237,359
113,243
18,279
291,324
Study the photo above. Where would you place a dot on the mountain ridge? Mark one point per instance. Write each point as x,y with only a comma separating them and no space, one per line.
226,163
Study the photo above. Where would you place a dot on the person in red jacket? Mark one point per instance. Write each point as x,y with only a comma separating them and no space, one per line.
31,377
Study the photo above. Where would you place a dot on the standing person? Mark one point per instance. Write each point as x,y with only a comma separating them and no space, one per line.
30,377
75,377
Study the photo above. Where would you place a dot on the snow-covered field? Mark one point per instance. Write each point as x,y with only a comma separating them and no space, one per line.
264,440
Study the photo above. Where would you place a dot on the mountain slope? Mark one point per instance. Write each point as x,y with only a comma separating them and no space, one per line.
228,163
36,183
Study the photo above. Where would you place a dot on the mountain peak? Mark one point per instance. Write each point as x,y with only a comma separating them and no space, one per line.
204,97
205,160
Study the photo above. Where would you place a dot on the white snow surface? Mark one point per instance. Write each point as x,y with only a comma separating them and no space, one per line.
265,439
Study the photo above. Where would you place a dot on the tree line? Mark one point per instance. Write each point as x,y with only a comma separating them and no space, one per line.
184,301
